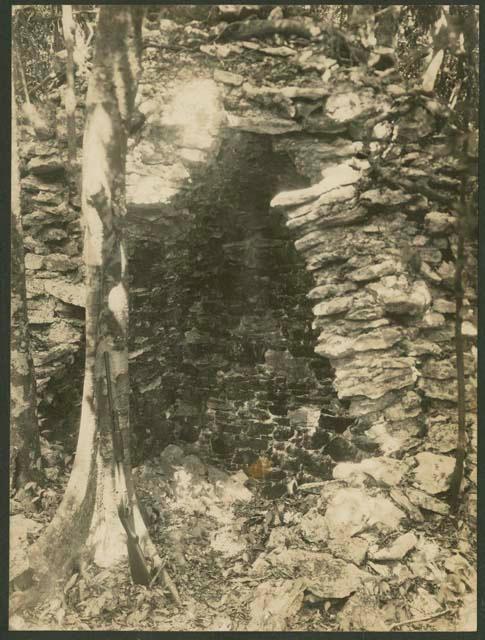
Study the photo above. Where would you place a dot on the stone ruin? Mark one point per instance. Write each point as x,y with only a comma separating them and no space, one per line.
291,248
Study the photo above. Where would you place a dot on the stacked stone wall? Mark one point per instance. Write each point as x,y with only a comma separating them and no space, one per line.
223,296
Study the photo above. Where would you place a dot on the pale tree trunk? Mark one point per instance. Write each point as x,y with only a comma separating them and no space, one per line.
87,523
68,27
24,432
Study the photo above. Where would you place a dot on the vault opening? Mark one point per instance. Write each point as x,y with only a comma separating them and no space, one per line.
236,371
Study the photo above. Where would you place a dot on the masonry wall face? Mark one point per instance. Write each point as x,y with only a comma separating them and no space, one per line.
292,289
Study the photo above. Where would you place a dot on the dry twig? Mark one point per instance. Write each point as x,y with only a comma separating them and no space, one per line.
414,620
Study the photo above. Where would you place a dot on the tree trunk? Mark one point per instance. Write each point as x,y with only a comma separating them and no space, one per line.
70,96
87,523
24,433
457,476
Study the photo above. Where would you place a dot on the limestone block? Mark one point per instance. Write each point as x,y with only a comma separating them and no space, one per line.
344,346
41,310
433,472
45,166
334,306
33,261
366,375
398,296
439,223
350,105
376,271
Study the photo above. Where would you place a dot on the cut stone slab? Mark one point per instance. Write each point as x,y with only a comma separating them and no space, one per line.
425,501
433,472
275,601
397,550
385,471
352,510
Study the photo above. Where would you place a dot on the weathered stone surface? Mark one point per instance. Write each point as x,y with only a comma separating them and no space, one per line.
439,370
226,77
313,527
396,550
322,217
325,577
20,528
383,470
33,261
403,501
348,106
66,291
469,329
60,262
376,271
368,376
344,346
362,612
444,306
262,124
333,177
379,346
274,602
41,310
439,223
333,307
45,166
439,389
352,549
399,297
330,290
353,510
433,472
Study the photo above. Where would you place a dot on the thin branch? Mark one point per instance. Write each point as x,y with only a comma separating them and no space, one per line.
414,620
